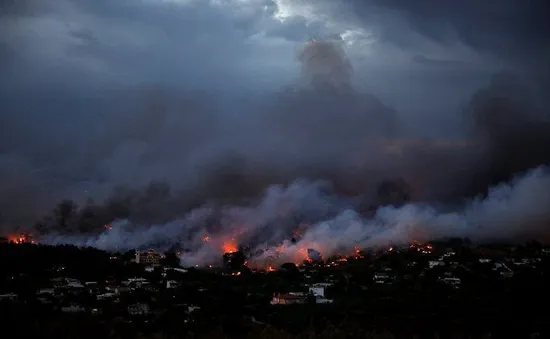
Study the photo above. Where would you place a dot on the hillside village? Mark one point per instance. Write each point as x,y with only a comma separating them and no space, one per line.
408,285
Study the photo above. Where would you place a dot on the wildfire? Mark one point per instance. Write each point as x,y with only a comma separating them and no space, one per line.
229,247
423,248
357,252
21,238
270,269
206,238
306,256
108,226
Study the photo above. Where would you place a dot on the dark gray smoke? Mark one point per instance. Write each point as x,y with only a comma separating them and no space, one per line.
325,65
323,129
512,124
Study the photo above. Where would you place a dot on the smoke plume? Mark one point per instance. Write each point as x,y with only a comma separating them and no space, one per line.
186,169
322,221
324,64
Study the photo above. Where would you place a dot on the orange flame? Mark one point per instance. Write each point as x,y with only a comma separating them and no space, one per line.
306,256
229,247
21,238
206,238
270,269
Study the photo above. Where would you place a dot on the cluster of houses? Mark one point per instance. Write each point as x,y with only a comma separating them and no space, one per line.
65,293
316,293
70,295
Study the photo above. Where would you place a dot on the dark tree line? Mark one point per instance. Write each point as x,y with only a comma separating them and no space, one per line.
154,204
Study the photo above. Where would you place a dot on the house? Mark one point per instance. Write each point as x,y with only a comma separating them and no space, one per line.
45,299
57,282
122,289
452,281
381,278
73,309
135,281
435,263
172,284
318,291
105,296
503,270
191,309
8,296
138,309
288,298
46,291
73,283
177,269
149,257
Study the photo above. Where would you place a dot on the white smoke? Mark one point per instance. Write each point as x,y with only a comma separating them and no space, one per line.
513,211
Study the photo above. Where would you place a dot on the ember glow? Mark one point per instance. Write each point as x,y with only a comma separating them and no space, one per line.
422,248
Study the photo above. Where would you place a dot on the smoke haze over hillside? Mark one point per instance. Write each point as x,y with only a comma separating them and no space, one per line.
152,110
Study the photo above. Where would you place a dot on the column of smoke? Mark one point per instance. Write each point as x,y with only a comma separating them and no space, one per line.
324,64
513,211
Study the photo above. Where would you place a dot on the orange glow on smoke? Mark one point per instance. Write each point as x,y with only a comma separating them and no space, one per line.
306,257
229,247
280,249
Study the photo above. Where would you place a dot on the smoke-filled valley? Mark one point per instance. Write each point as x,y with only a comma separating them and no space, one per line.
319,164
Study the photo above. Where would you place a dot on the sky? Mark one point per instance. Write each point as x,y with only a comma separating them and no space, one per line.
211,96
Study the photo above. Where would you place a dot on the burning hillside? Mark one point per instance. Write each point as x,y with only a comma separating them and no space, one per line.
21,238
305,222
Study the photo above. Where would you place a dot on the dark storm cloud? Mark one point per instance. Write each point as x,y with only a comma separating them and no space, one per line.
421,59
213,99
508,29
